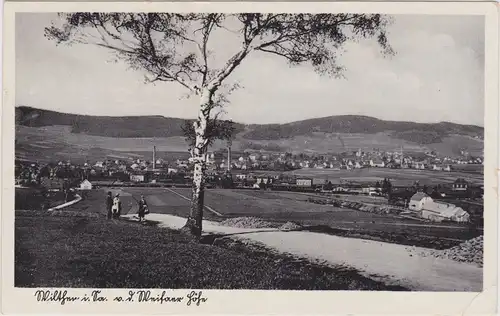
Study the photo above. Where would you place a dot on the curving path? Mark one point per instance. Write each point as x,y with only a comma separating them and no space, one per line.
390,263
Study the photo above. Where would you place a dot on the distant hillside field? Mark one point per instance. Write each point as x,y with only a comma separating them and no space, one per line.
58,142
53,134
122,127
354,124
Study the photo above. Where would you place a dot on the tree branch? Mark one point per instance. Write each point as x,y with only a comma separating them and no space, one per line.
203,47
288,57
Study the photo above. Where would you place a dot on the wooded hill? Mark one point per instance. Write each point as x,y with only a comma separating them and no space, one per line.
159,126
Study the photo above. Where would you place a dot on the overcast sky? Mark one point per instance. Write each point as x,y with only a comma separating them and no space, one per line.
437,75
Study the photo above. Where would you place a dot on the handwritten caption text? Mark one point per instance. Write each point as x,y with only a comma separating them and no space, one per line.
193,298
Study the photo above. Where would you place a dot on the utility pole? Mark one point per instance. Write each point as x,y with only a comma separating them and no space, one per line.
154,157
229,157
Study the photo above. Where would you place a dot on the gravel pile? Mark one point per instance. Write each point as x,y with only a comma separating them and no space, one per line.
377,209
247,222
290,226
470,251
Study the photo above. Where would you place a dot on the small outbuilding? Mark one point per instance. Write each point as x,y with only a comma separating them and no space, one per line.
85,185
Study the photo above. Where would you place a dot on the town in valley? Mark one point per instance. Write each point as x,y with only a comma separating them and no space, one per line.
450,179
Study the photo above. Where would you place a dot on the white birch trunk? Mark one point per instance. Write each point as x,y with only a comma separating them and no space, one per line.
194,221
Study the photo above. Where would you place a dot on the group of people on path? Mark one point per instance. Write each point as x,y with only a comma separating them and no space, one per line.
114,207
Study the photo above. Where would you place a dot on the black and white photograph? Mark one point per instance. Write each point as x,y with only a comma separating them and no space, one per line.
337,151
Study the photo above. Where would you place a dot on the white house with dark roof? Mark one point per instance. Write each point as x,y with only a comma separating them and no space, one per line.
418,201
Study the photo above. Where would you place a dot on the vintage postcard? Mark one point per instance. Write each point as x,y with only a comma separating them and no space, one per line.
250,158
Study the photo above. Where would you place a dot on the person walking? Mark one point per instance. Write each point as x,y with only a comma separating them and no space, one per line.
143,209
117,206
109,205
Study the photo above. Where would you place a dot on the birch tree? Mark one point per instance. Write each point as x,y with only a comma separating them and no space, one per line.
216,130
176,48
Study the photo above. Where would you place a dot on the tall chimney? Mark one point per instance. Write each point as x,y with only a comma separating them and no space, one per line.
154,157
228,158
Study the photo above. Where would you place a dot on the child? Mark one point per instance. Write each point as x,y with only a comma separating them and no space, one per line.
117,205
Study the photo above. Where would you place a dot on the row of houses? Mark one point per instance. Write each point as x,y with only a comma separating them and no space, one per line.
346,160
377,163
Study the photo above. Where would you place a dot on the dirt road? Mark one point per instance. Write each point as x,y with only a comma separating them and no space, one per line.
390,263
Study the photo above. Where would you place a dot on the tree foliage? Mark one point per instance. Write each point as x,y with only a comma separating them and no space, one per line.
175,47
216,130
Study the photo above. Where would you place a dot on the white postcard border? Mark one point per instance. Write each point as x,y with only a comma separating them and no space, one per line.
19,300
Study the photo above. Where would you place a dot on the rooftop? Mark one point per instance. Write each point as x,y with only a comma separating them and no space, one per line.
418,196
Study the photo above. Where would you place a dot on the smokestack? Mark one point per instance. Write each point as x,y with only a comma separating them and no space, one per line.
154,157
228,158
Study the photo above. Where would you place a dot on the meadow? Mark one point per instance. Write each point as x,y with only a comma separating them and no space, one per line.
54,143
397,176
280,207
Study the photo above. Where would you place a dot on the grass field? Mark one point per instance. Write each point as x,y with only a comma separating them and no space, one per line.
83,251
281,207
57,142
451,145
397,176
32,199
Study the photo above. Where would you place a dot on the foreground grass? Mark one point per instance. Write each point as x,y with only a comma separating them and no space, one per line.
64,251
32,199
